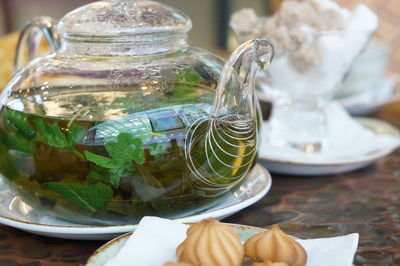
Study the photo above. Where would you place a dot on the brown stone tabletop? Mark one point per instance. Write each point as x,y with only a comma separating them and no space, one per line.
366,201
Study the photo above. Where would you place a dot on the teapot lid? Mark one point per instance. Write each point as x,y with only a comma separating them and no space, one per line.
123,18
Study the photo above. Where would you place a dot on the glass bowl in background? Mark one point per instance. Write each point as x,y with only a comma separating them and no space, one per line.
368,70
304,80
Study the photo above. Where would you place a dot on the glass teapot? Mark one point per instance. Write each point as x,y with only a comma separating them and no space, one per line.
124,119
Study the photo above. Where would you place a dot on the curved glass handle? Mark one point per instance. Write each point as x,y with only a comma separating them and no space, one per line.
32,34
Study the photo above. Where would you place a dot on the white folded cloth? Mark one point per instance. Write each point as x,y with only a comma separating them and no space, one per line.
155,240
346,139
331,251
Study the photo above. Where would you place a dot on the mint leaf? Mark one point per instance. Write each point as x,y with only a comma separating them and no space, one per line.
187,80
75,134
51,134
112,176
94,176
20,122
126,149
147,186
187,75
88,197
122,153
115,168
20,136
17,142
8,167
116,174
102,161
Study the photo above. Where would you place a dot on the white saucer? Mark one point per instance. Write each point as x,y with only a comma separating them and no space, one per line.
17,213
364,103
300,167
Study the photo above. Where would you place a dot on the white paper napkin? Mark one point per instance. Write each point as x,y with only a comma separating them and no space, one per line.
332,251
346,139
153,243
155,240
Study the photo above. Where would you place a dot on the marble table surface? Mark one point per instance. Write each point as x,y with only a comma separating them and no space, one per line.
366,201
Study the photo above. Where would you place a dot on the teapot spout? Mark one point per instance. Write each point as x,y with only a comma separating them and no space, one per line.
236,89
221,149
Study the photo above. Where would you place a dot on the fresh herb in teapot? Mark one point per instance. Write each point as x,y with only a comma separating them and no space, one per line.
124,154
66,164
89,197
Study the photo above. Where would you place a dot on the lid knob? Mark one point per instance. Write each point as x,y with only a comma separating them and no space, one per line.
123,18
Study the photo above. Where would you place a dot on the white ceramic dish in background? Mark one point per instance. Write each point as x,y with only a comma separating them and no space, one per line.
366,88
367,102
19,214
337,166
357,104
